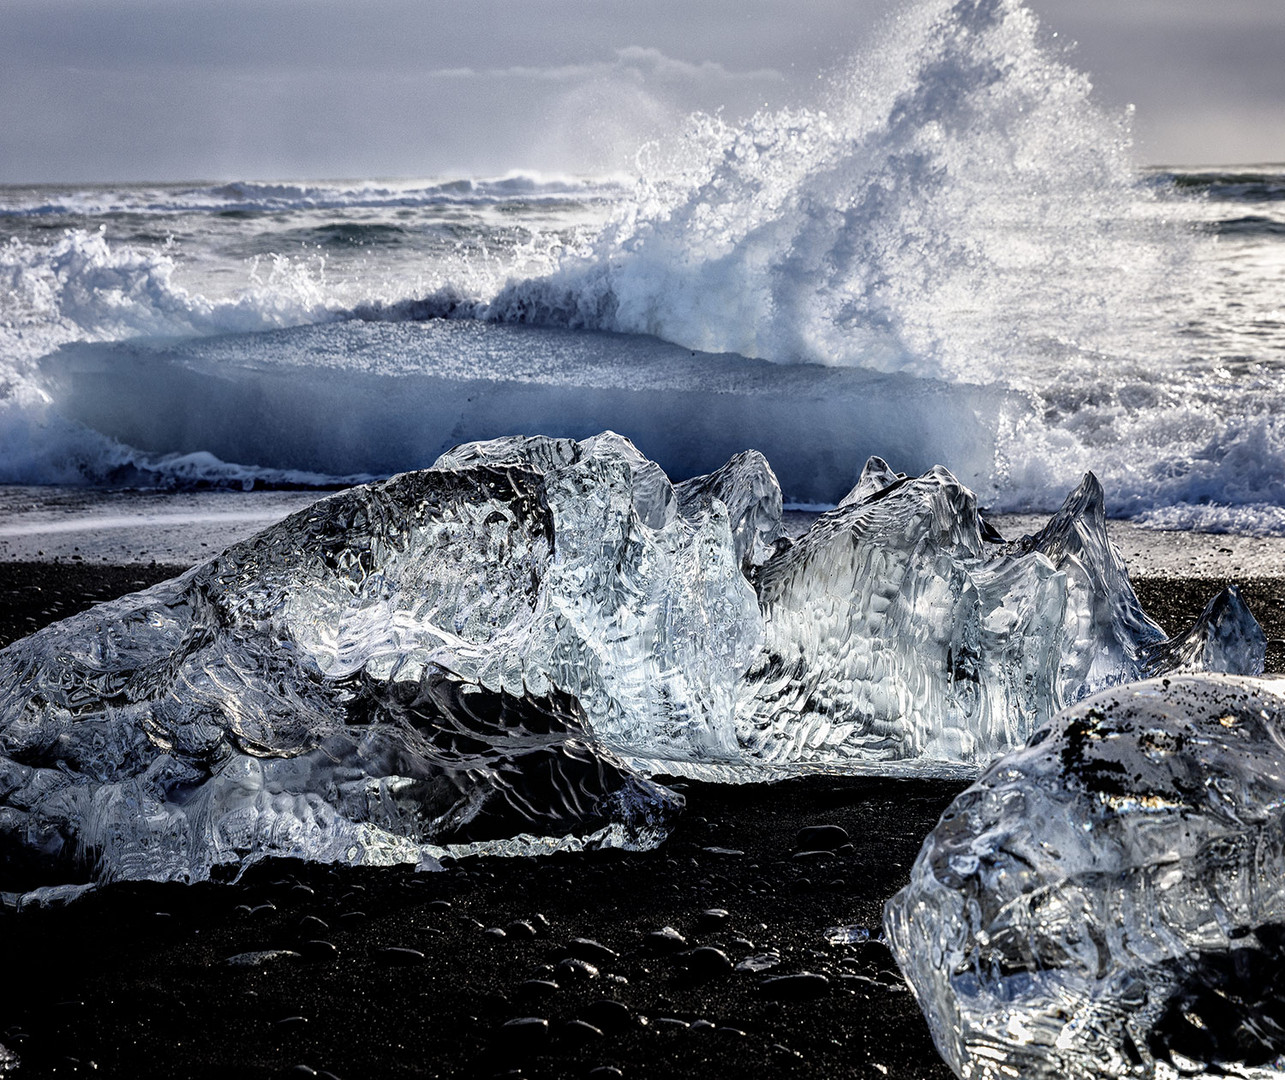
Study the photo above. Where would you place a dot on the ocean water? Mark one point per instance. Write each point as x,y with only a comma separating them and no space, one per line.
950,256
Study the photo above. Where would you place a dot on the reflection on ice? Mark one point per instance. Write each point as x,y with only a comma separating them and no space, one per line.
1108,901
492,655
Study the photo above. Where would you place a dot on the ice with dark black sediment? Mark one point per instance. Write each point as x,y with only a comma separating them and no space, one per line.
1109,901
493,655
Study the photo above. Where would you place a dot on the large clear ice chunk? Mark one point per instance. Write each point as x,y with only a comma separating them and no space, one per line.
493,654
352,685
1110,900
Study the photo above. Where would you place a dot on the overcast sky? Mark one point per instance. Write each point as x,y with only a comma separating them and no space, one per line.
224,89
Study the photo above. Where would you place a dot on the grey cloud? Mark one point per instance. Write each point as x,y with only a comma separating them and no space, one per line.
637,60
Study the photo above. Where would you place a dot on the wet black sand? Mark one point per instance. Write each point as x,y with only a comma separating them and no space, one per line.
387,973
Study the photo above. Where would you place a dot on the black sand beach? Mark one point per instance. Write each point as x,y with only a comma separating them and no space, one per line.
550,967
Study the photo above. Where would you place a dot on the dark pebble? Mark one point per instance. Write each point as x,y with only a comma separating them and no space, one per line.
575,970
350,919
494,933
711,919
705,962
291,1023
440,905
318,949
535,989
311,927
396,954
522,1036
876,952
578,1033
520,930
593,951
669,1023
813,855
665,940
801,987
893,980
607,1015
494,1002
821,838
605,1072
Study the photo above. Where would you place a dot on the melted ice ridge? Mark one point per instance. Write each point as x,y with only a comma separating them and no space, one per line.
492,654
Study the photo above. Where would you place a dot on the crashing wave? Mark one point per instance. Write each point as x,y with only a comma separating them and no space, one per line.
493,655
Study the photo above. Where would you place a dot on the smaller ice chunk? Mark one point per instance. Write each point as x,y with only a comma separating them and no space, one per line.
901,633
1109,901
1226,637
1105,630
895,640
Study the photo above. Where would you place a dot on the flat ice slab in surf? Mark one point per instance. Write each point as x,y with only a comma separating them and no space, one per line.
374,398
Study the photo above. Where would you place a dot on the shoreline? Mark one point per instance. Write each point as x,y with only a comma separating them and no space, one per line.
145,526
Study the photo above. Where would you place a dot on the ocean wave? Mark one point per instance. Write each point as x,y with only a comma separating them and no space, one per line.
958,200
957,211
1248,186
247,197
85,286
1250,225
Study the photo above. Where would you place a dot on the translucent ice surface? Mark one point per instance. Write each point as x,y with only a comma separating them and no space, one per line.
493,655
899,638
1110,900
286,698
